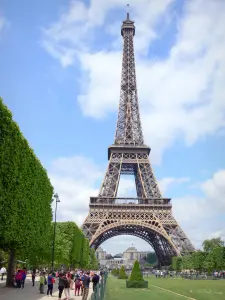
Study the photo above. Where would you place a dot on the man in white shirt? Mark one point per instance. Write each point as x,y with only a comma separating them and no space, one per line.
3,272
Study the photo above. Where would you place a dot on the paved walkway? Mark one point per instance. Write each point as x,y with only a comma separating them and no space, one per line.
32,293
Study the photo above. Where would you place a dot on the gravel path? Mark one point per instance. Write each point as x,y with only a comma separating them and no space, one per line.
32,293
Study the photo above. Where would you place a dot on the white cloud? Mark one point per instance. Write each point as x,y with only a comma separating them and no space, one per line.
182,96
74,180
203,217
165,183
77,178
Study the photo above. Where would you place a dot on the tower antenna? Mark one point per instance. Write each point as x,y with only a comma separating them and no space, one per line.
128,11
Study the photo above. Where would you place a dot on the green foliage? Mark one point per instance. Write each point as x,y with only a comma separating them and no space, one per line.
177,263
187,262
136,274
2,256
219,257
122,273
136,284
93,260
136,279
209,264
208,245
151,258
25,192
115,272
198,258
213,257
71,247
67,235
170,268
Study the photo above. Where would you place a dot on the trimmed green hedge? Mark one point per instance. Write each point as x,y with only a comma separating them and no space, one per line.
136,279
136,284
25,194
122,273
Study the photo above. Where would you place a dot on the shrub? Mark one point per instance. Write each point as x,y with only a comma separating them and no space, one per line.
136,279
122,273
115,272
136,274
136,284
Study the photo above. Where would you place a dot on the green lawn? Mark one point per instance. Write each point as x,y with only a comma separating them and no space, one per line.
190,289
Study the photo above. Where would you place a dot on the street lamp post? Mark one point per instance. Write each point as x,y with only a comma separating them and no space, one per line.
56,197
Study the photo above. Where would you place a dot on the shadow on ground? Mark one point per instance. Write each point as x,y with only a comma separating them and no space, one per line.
28,293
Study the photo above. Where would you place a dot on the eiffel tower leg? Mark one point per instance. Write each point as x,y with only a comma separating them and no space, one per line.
179,238
147,179
110,183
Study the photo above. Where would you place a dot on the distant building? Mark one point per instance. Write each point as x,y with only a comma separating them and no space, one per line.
100,254
119,255
127,258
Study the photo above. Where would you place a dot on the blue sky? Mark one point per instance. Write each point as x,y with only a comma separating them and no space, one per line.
60,75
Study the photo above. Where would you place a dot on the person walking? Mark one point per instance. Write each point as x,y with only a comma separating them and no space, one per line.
33,278
61,285
66,288
82,283
3,272
77,285
95,280
42,283
24,276
50,284
86,282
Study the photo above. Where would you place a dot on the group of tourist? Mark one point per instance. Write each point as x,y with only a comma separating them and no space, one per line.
77,280
20,278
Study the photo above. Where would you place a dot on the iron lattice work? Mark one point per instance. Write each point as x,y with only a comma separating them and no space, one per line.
149,216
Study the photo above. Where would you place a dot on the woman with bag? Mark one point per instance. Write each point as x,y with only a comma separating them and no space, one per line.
66,288
77,285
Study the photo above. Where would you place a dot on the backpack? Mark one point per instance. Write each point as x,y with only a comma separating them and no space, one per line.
45,282
53,280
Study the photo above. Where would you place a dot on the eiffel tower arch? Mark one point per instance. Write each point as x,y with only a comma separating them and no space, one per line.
149,215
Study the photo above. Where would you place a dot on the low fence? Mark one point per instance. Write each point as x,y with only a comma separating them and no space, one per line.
201,277
99,291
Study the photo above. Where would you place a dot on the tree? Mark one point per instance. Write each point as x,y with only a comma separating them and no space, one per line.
198,258
93,260
219,257
136,279
177,263
174,262
151,258
208,245
25,194
187,262
71,247
122,273
85,259
136,274
2,256
209,263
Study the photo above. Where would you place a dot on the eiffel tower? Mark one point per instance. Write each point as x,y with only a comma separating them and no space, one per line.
149,215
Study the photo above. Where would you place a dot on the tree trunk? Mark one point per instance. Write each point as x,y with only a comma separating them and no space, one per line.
11,267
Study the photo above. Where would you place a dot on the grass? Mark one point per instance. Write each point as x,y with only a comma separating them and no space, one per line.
192,289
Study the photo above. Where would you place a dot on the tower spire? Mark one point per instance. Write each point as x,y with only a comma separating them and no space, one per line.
128,131
128,11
